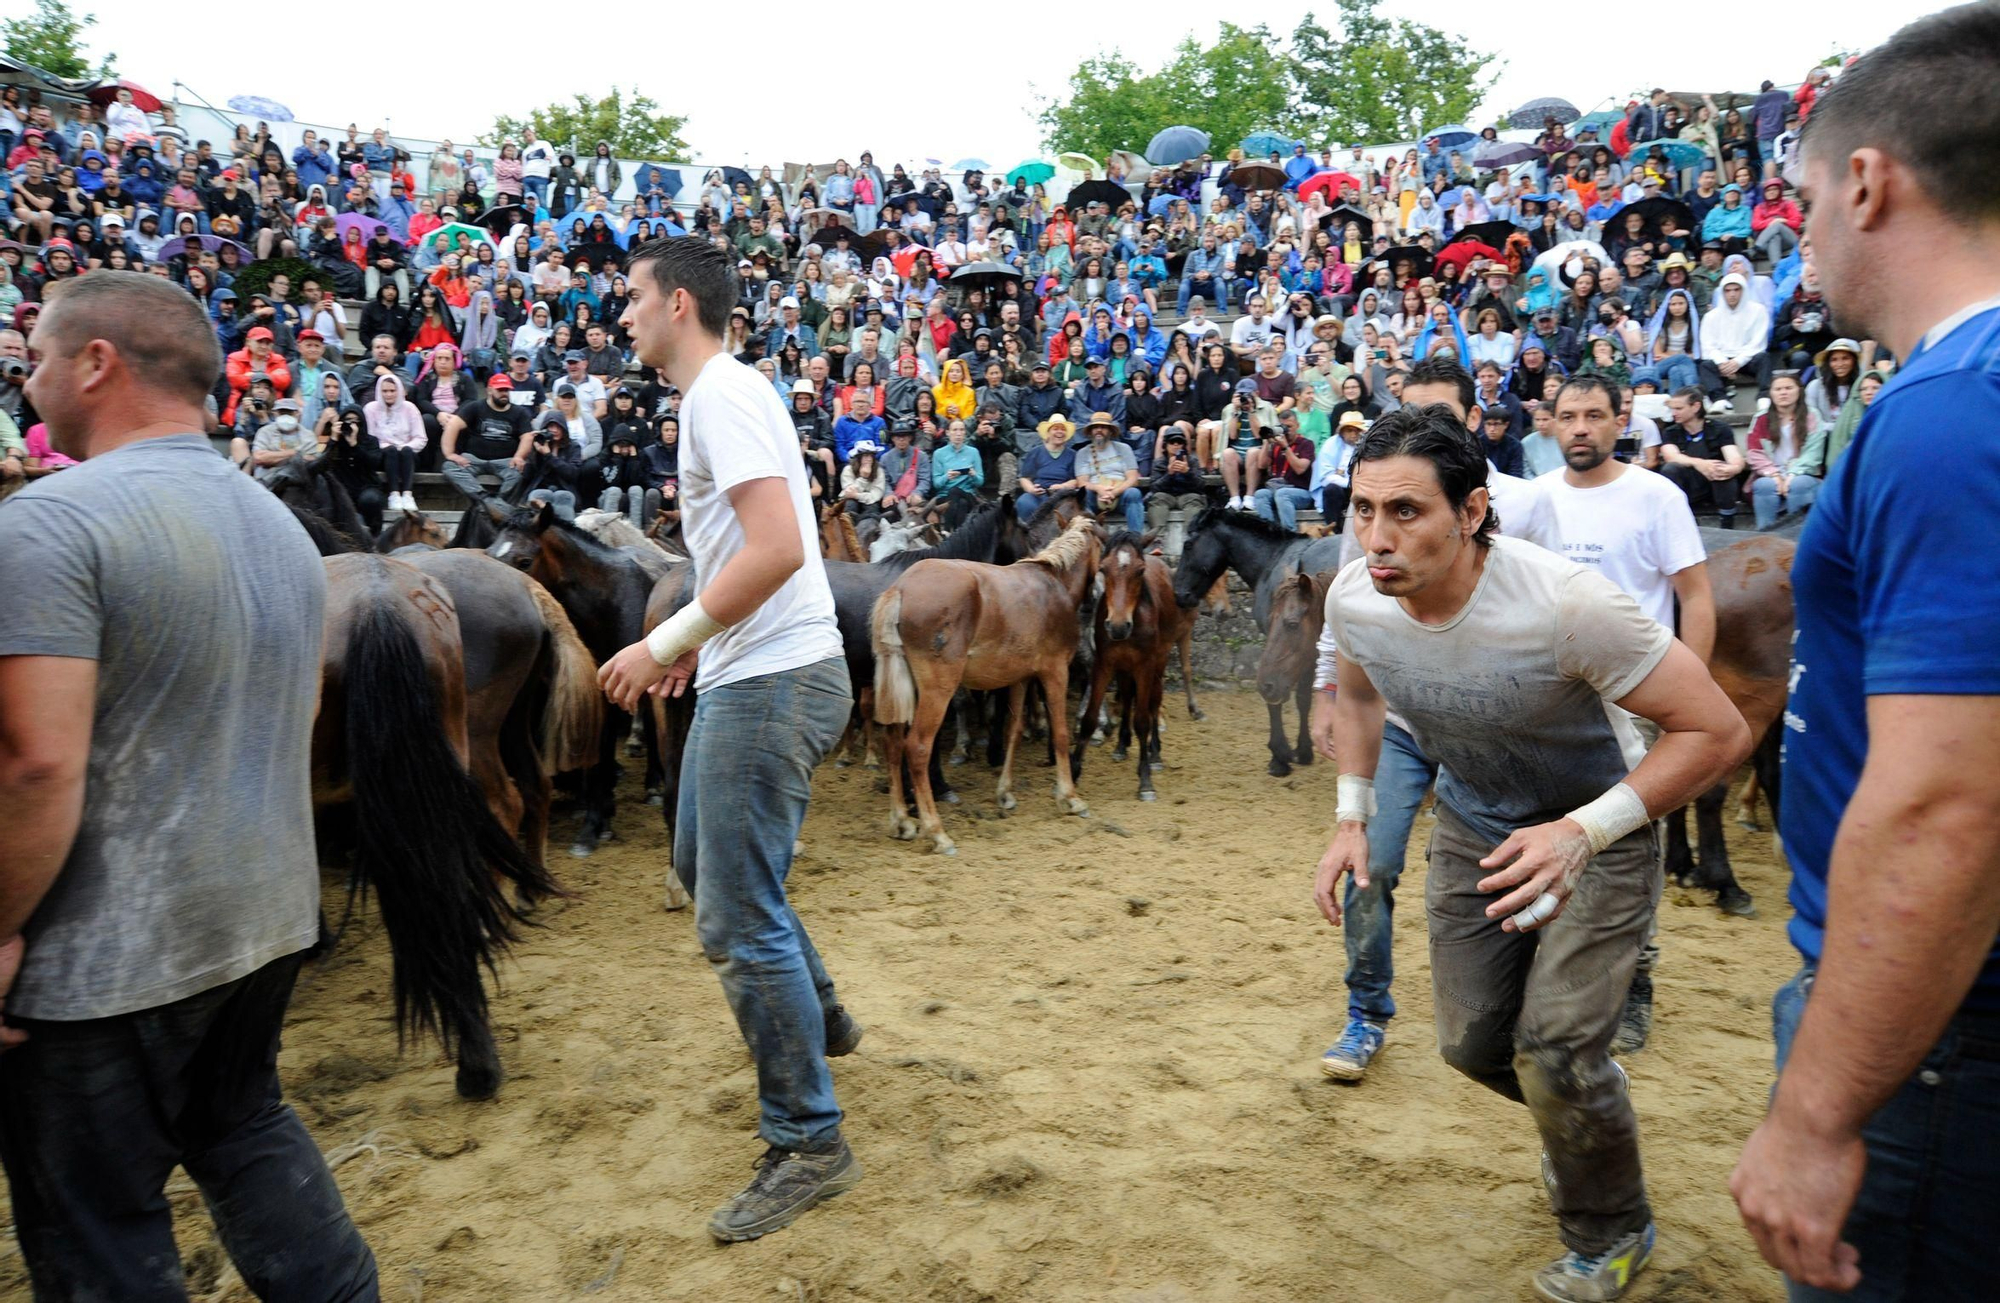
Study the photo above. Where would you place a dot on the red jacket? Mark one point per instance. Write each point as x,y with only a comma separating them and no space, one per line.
238,369
1783,211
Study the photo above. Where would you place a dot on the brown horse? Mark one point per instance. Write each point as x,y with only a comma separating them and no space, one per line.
946,623
412,529
391,748
837,539
1138,624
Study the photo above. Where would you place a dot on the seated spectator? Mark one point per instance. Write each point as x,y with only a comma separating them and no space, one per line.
1728,223
1735,332
554,467
1288,459
1835,371
255,358
906,469
1503,450
1177,483
1048,469
1242,431
495,437
1333,466
1699,454
1107,469
1826,444
398,429
862,483
1776,221
353,458
618,479
1778,438
957,468
283,439
1541,452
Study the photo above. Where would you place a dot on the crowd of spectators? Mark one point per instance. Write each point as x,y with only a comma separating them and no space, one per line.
941,339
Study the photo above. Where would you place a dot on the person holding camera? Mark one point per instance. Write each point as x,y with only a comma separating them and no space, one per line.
1244,428
554,467
1288,457
353,458
1177,483
257,357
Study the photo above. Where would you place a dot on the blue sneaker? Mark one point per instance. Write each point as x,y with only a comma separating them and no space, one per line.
1348,1059
1597,1277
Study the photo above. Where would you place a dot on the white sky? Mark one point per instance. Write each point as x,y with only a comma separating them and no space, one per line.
756,99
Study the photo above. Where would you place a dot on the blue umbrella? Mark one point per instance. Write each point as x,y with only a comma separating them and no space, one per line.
1680,153
1451,137
972,165
1503,153
1259,144
1160,205
1602,120
259,107
1531,116
1176,145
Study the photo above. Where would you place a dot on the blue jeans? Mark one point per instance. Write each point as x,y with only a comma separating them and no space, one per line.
1215,294
1927,1216
1677,371
538,186
1769,505
746,776
562,500
1133,503
96,1114
1402,777
1281,504
866,217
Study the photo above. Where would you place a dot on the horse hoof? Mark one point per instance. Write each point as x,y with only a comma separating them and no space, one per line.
1076,807
945,847
949,798
634,747
1736,902
675,901
843,763
903,830
1148,794
1197,713
581,850
478,1083
1097,739
1119,754
1278,769
1006,800
1303,756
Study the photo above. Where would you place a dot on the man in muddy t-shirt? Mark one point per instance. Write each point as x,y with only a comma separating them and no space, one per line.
1506,661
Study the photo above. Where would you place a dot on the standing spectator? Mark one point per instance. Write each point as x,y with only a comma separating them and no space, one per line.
538,161
161,882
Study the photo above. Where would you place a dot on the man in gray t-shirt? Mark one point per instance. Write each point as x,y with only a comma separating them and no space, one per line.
159,674
1506,661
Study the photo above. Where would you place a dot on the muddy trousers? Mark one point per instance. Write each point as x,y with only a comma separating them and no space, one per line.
1532,1016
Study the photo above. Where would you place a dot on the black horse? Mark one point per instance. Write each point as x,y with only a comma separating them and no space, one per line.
604,591
312,486
1262,554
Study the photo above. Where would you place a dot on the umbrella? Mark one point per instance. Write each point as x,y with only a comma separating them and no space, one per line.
258,107
1259,144
1341,214
1601,121
1724,99
1137,169
1452,136
497,220
905,258
349,221
1572,251
1083,163
1109,193
1160,205
1660,212
1031,172
670,179
106,92
1489,233
735,176
1531,116
869,247
1503,153
1463,253
972,165
182,244
1176,145
450,231
1679,153
1257,176
1331,182
1421,260
984,273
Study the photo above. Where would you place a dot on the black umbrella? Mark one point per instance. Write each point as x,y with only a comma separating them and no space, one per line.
869,247
1341,214
501,220
1256,176
983,273
1659,213
1421,260
1488,233
735,176
1109,193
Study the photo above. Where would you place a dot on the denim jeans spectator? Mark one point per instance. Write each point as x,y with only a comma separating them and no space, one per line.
95,1115
866,218
1677,371
538,186
1215,291
1402,777
466,478
561,499
1776,241
746,777
639,505
1926,1219
1768,505
1281,504
1133,503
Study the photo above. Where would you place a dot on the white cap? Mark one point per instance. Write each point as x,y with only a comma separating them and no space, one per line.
788,302
802,387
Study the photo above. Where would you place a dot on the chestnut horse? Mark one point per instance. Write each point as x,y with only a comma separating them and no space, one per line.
1138,623
950,622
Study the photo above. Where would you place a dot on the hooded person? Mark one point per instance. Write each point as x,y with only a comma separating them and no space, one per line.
479,333
536,330
1674,346
143,183
1735,333
554,467
398,430
388,315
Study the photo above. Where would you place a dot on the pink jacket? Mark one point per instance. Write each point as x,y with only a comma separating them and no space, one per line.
1758,449
399,425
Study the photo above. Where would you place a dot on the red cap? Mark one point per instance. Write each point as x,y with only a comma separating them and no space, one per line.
259,332
499,382
229,174
305,335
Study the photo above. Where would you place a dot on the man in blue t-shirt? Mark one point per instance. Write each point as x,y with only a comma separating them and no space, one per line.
1876,1174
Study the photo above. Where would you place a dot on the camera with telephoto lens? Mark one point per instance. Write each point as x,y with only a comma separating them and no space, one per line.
13,370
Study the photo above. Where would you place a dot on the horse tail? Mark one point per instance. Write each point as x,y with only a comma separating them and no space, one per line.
426,842
573,715
895,687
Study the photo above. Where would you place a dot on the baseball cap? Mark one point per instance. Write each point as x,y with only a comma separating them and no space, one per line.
1039,366
285,405
576,355
788,302
259,332
305,335
1093,362
499,382
1246,386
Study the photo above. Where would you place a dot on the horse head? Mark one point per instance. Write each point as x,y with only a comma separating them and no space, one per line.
1204,556
525,539
1122,582
1291,647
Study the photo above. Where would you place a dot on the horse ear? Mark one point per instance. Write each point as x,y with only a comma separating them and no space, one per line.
545,517
1149,540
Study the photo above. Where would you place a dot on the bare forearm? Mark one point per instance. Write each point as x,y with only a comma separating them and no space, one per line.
1357,731
1683,765
1914,902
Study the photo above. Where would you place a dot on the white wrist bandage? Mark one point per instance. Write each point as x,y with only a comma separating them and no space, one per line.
1354,799
1611,816
682,632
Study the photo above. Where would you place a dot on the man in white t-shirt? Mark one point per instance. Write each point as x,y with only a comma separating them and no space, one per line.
538,161
773,698
1636,528
1251,333
1506,662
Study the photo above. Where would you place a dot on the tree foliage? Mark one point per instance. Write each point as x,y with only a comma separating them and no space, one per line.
635,126
1378,79
51,38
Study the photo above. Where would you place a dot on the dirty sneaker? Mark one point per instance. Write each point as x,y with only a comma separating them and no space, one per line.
1348,1059
843,1033
1596,1277
788,1182
1636,1023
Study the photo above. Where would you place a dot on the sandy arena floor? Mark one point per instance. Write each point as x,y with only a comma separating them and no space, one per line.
1089,1074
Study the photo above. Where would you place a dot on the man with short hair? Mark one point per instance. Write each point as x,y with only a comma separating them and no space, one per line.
1204,273
1095,393
1699,454
1288,460
760,620
1872,1176
497,435
590,391
159,884
1503,659
602,358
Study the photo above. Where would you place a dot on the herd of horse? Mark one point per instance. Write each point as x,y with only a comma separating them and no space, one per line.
459,690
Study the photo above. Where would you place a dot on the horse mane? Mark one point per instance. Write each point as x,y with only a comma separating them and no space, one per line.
475,527
1125,538
1055,500
1069,547
528,520
1211,517
329,541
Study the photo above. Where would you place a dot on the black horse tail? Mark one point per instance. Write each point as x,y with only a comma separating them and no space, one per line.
426,842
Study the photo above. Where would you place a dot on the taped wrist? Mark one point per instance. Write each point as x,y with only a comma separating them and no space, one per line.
682,632
1354,799
1611,816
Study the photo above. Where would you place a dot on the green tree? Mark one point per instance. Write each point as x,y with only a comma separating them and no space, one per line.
1228,89
1110,106
51,38
635,127
1382,79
